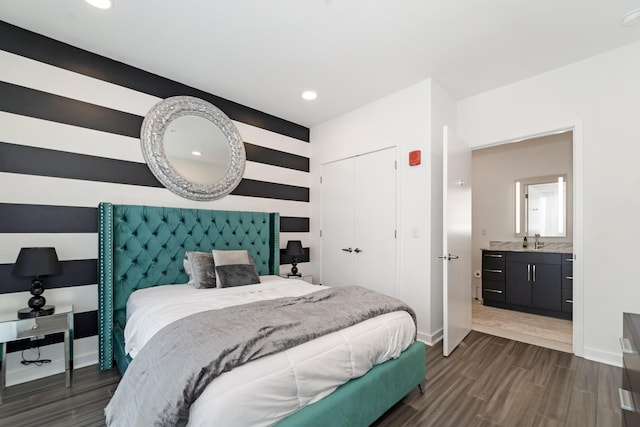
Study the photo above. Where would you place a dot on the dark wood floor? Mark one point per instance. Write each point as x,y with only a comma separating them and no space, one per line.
487,381
47,402
492,381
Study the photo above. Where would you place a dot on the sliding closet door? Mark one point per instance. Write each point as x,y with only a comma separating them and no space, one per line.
359,222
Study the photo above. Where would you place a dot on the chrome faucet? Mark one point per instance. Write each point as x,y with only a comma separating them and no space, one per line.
538,244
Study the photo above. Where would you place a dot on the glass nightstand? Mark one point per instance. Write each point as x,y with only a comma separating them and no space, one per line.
12,329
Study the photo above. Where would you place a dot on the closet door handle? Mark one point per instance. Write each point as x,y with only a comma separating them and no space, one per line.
347,249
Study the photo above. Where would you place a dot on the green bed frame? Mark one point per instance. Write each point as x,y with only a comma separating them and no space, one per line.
144,246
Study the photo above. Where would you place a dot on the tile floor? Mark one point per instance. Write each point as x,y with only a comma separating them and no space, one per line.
543,331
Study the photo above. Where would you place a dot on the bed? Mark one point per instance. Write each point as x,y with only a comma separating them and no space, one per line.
142,247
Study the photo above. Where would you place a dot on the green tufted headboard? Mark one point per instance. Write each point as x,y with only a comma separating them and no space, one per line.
144,246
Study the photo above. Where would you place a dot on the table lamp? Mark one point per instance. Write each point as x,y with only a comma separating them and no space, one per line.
36,262
294,250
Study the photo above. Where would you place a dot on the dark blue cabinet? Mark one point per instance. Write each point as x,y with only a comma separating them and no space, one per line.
534,282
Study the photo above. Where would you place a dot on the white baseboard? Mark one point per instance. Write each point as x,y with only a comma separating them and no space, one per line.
605,357
430,339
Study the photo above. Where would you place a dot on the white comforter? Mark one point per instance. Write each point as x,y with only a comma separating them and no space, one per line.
266,390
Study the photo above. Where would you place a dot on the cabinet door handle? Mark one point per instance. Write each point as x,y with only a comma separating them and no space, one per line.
528,272
569,301
347,249
568,259
488,270
568,277
626,400
493,255
495,291
627,347
534,272
357,250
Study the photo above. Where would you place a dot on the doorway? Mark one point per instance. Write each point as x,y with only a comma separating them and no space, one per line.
495,169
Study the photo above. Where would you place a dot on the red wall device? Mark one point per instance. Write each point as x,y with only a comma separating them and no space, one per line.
414,158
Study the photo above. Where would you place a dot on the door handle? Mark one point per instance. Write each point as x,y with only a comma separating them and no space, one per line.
448,257
358,250
347,249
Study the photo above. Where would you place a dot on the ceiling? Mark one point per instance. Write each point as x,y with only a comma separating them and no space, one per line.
263,54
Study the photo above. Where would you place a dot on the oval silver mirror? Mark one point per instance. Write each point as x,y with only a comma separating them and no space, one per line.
193,148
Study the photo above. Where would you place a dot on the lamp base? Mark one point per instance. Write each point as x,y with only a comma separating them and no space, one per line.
26,313
294,275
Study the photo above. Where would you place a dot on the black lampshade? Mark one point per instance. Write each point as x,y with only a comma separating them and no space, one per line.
294,248
35,262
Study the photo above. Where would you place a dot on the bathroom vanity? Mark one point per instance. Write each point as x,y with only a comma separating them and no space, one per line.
532,281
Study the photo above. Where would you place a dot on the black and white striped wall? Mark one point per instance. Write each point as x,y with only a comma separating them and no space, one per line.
69,139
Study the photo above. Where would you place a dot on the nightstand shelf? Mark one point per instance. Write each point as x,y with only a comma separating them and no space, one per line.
13,329
306,277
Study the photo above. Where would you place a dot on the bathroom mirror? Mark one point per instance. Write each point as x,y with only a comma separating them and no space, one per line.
193,148
541,206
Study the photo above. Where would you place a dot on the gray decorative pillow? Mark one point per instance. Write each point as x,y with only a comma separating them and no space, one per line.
230,257
203,272
237,275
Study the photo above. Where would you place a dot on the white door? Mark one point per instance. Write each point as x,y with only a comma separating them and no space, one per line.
375,221
337,223
456,245
359,222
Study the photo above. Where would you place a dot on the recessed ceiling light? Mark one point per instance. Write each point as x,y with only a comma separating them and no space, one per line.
196,153
101,4
631,18
309,95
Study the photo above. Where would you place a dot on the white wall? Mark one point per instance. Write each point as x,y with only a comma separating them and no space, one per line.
403,119
33,189
602,93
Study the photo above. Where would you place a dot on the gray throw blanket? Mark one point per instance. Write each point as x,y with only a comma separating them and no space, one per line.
178,363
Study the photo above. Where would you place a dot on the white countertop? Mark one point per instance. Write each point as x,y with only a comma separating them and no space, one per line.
550,247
